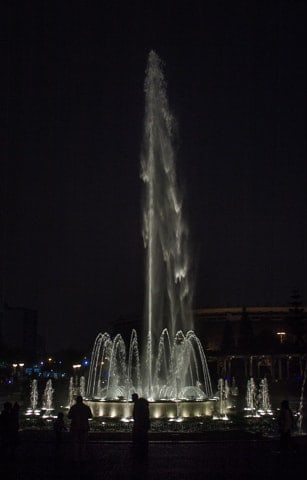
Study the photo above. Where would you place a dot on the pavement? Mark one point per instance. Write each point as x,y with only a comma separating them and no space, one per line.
210,455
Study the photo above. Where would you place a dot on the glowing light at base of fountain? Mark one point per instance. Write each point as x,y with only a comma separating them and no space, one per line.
224,418
157,410
32,412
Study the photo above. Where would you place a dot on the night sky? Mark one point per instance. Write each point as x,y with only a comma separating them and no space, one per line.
236,72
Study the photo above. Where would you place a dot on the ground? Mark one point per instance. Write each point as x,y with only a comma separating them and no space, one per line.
212,455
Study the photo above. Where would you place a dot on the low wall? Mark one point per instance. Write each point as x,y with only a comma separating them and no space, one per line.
156,409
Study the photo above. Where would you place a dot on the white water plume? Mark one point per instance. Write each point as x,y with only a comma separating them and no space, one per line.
173,365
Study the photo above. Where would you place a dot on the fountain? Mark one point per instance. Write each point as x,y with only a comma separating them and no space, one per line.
234,389
264,405
48,399
82,386
222,400
76,387
34,395
257,400
301,405
71,392
251,398
172,366
33,410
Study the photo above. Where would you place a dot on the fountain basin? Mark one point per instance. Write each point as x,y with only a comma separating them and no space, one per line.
159,409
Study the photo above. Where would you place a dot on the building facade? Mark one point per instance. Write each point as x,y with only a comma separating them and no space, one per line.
254,341
270,322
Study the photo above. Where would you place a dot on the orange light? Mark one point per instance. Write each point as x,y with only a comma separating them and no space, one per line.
281,336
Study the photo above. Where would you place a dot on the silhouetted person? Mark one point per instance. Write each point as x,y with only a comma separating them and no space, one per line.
135,399
59,427
79,415
9,428
286,424
141,423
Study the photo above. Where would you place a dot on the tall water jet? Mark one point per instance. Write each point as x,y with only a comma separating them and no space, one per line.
222,395
82,386
32,409
48,398
264,405
34,395
71,392
251,397
168,289
173,364
301,404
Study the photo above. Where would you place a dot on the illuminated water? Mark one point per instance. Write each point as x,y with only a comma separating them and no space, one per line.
71,392
115,373
301,405
172,364
47,403
257,398
222,396
264,404
82,386
34,395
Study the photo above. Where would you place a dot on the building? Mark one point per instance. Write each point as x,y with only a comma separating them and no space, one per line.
254,341
267,324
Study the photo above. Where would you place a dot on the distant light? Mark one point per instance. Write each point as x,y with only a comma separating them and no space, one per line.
282,336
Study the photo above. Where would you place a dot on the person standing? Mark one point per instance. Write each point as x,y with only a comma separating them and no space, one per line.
79,414
286,424
9,428
141,424
135,399
59,427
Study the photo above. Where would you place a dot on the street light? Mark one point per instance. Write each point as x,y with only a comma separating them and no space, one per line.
282,336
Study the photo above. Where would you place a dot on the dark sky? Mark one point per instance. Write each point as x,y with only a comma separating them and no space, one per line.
70,185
